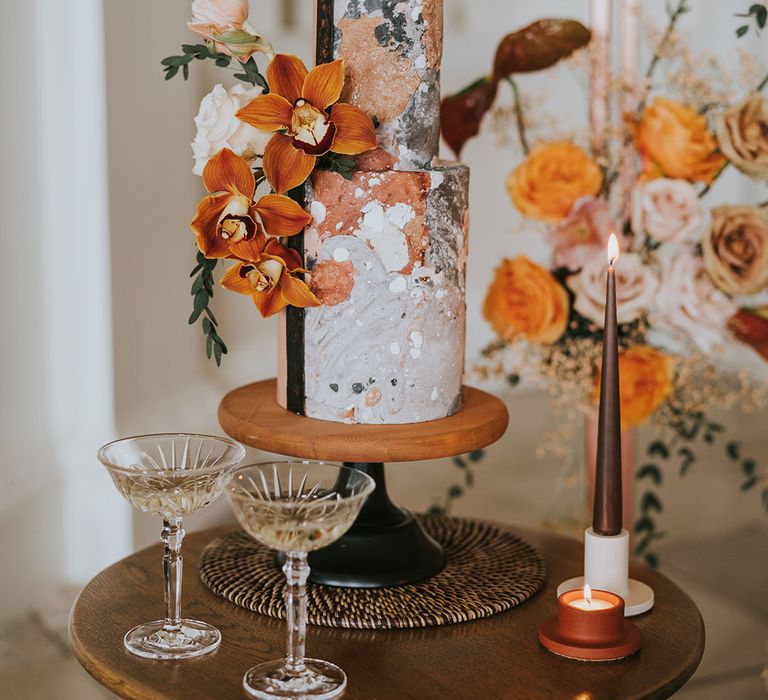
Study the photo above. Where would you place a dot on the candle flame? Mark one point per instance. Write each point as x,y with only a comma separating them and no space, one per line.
613,249
588,593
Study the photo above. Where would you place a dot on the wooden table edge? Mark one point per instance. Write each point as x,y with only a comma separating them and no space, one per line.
109,681
136,691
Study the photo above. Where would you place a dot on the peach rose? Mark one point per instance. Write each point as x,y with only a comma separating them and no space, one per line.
673,141
548,182
736,249
231,14
525,300
224,22
742,133
646,380
636,288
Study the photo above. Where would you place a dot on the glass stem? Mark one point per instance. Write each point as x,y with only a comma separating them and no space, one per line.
172,536
296,571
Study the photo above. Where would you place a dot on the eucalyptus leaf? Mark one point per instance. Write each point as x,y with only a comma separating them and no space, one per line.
658,448
201,300
644,524
749,483
649,502
650,471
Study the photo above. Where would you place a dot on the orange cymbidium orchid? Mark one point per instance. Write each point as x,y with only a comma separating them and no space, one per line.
266,272
297,105
229,215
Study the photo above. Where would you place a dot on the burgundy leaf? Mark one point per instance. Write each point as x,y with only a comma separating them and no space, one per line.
538,46
461,114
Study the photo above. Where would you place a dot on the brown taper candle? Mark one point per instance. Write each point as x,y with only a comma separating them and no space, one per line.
606,517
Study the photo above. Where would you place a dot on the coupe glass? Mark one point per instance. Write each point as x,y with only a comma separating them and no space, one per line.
171,475
296,508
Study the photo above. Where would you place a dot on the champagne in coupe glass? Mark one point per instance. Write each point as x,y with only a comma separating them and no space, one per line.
296,508
171,475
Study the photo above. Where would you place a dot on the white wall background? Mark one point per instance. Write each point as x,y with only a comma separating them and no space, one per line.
98,193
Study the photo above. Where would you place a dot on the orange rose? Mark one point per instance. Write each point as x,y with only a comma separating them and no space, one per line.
673,141
646,380
525,300
550,180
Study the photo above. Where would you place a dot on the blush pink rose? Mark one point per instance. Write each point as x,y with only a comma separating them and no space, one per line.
667,211
636,287
583,234
689,301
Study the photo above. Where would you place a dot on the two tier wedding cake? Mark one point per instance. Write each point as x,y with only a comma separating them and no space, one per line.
387,247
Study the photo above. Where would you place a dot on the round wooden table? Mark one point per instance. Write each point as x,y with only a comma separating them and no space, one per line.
494,659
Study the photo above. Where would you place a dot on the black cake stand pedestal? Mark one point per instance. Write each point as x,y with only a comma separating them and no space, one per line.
386,546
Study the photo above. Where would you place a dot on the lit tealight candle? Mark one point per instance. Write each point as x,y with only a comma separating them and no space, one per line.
588,603
590,625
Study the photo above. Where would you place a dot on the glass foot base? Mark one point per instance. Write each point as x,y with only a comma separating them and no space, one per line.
270,680
193,638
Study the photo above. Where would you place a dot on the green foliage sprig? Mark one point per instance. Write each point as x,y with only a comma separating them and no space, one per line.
688,427
337,163
758,14
464,463
252,75
202,292
203,52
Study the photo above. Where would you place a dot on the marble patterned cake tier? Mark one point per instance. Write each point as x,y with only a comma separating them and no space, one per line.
387,252
392,51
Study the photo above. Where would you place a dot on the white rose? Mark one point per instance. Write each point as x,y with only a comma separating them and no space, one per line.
667,210
688,301
218,127
636,286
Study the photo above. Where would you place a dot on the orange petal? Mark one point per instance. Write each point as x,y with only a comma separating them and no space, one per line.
205,225
354,130
286,167
250,250
296,292
269,303
285,76
227,172
280,215
291,258
269,112
232,280
323,84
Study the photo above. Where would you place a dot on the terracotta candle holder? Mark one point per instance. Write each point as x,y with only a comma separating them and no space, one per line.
595,631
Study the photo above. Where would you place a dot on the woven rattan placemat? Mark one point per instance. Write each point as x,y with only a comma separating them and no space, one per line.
488,570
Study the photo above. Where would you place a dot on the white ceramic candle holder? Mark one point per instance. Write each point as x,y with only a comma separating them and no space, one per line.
606,568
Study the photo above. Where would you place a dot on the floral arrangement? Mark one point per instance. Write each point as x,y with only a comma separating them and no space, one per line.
266,133
691,280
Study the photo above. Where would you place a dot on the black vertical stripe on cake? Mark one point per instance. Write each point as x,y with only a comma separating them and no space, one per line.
325,31
294,329
294,317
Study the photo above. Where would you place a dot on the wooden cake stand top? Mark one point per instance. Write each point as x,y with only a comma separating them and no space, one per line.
252,415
